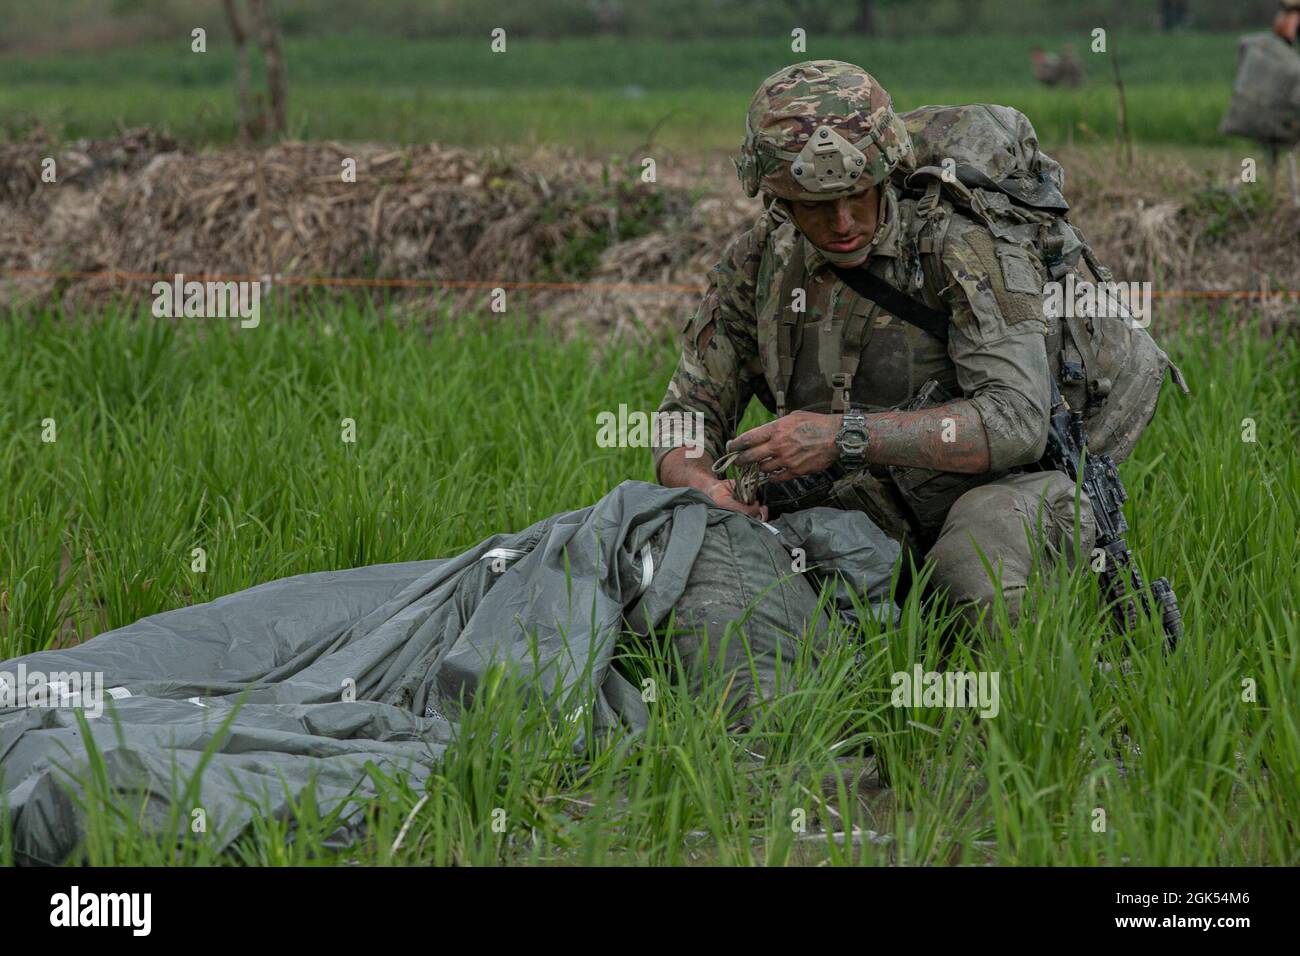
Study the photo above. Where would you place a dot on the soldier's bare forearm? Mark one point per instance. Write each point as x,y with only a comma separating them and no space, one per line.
947,438
677,470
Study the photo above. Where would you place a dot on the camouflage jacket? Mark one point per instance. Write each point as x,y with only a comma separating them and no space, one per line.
996,354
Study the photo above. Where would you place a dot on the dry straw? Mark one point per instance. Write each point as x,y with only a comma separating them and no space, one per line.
589,245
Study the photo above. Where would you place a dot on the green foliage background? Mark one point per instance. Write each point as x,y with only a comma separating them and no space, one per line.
603,94
61,24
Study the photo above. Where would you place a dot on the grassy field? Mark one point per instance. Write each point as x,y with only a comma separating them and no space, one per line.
598,96
171,436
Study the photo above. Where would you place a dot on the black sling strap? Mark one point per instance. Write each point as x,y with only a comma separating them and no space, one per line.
877,290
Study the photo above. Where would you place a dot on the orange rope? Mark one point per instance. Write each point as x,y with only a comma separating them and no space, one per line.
373,283
633,287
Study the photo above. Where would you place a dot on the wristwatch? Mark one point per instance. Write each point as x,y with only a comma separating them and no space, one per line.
852,439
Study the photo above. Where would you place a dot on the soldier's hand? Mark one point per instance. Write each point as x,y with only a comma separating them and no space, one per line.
798,444
723,493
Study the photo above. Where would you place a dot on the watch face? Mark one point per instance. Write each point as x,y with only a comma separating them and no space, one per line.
853,443
852,439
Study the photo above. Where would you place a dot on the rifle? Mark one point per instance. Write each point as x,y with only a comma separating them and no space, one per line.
1120,580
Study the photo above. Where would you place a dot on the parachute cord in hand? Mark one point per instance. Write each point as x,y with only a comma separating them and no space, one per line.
746,481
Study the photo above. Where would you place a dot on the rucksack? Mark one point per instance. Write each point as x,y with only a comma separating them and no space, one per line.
986,162
1266,94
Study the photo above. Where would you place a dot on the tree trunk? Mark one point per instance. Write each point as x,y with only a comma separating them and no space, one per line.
865,22
269,39
241,68
1173,14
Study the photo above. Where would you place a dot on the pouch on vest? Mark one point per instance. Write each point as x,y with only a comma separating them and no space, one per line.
929,494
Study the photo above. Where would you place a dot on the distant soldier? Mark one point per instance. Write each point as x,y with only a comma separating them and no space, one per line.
1057,69
1266,93
1046,65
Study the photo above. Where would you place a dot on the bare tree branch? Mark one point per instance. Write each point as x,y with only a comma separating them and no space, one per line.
269,39
241,69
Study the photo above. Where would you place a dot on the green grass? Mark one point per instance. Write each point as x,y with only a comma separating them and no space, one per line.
174,436
601,95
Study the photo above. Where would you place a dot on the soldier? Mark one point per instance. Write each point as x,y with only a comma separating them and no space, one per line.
1057,69
837,385
1046,65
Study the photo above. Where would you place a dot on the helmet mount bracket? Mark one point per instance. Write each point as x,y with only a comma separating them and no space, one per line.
828,163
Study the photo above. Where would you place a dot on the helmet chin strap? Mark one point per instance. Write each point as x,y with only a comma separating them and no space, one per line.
848,260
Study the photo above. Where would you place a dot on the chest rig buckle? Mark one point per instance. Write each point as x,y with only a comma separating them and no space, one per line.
840,397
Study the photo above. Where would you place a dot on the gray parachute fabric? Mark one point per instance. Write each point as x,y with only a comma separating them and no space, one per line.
328,674
1266,95
743,579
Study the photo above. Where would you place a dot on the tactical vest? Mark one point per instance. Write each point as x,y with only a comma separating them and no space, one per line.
841,349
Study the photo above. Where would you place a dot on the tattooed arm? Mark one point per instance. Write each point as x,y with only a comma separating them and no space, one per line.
997,345
804,442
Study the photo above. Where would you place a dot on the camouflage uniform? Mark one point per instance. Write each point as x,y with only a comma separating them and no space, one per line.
996,357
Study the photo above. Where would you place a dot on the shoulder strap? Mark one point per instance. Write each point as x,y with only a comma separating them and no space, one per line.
855,332
877,290
789,324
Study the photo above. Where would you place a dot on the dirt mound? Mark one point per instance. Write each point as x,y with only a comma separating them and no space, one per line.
587,244
141,206
1200,235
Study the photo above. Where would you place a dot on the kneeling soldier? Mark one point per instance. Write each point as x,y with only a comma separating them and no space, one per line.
839,369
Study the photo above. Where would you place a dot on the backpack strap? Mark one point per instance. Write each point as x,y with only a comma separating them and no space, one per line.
1096,389
854,336
877,290
789,326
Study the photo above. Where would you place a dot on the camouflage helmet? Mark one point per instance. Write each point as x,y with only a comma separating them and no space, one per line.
820,130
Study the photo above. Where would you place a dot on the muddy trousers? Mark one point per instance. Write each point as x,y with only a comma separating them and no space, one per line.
1010,523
